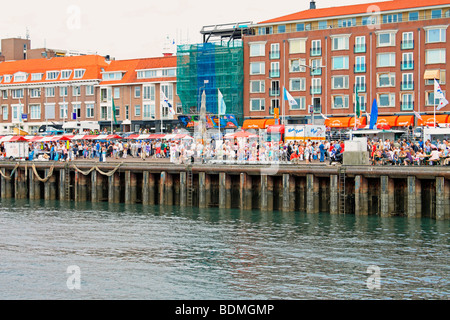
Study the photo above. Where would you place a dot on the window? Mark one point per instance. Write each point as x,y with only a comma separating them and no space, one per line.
50,92
282,29
63,110
77,110
52,75
257,68
316,67
434,56
17,93
386,39
407,61
430,82
386,100
169,72
89,110
360,44
429,98
265,30
360,64
297,65
20,77
35,111
167,89
79,73
274,103
392,18
257,86
8,78
323,25
343,23
297,46
297,84
434,35
65,74
385,80
111,76
275,51
316,48
274,70
413,16
149,93
63,91
300,27
339,63
257,105
89,90
407,102
257,49
339,82
5,113
16,112
372,20
35,93
436,14
36,76
149,111
76,91
339,102
360,83
316,87
362,101
137,92
104,111
386,60
137,110
116,93
340,43
5,94
147,74
274,88
407,81
301,104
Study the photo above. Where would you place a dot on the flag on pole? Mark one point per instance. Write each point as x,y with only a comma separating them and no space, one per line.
358,105
166,101
324,116
222,108
114,111
289,98
439,95
417,115
374,114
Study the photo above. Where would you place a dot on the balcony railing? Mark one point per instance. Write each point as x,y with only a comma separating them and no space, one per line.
407,65
407,85
359,48
274,73
315,90
407,106
316,52
407,44
360,87
359,68
318,108
316,71
274,92
274,54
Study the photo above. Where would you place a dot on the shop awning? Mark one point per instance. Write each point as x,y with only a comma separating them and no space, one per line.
429,120
269,122
337,122
359,122
390,121
431,74
255,123
275,129
405,121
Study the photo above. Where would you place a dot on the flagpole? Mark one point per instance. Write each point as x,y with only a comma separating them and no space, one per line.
434,123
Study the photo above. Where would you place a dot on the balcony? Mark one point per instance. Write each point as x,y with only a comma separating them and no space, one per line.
407,85
274,73
274,54
274,92
316,71
359,68
407,106
407,65
359,48
407,44
315,52
361,88
315,90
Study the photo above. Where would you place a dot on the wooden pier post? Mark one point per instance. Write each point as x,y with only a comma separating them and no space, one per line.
245,191
6,185
288,193
169,189
441,200
334,194
130,187
386,196
266,192
201,189
20,188
114,188
94,194
312,194
224,190
61,185
50,187
361,196
162,189
413,198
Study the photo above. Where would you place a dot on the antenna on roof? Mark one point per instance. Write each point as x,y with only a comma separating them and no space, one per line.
312,4
27,36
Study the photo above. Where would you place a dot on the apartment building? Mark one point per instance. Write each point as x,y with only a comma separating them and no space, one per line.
82,88
385,51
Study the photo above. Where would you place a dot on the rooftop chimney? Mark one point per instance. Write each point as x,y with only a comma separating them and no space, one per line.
312,4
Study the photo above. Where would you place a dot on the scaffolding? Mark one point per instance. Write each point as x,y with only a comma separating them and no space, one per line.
211,67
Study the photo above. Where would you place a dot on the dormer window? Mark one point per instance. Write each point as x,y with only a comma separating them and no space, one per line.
112,76
52,75
20,77
8,78
79,73
36,76
65,74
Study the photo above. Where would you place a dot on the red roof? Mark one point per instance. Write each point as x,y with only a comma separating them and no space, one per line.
92,65
357,9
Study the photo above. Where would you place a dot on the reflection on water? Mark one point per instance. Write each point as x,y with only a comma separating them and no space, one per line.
136,252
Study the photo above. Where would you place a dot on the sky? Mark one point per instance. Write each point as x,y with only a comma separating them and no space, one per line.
134,28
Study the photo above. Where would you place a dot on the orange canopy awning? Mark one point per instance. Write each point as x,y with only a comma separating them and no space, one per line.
254,124
405,121
337,122
429,119
391,121
269,122
359,122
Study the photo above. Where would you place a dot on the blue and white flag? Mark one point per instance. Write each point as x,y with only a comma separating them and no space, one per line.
166,101
288,97
222,108
438,94
417,115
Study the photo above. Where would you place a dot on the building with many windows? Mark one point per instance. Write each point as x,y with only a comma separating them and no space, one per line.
327,58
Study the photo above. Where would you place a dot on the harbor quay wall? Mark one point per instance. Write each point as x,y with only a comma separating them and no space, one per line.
412,192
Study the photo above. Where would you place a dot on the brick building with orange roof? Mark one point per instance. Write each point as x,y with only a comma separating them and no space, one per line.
386,51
